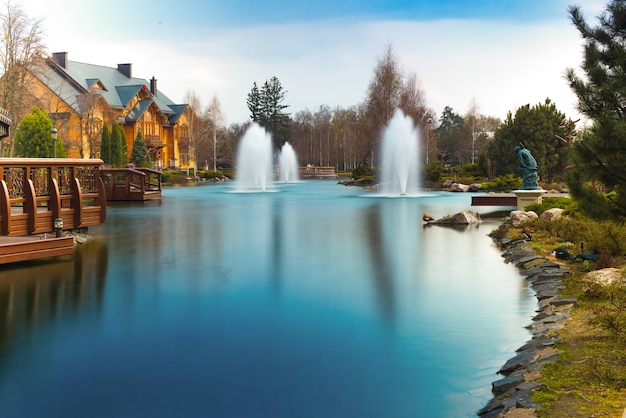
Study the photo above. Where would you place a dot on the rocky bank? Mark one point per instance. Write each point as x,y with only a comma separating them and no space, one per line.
511,393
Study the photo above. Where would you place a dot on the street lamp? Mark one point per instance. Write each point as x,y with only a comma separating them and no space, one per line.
54,134
429,121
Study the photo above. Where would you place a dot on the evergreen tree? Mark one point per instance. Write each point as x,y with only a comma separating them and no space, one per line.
451,130
34,138
267,109
119,149
105,145
140,156
255,104
598,180
539,129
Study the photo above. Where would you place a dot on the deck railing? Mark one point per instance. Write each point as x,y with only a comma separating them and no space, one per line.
131,183
36,193
317,172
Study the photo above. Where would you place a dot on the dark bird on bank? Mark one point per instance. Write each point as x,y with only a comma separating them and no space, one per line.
427,218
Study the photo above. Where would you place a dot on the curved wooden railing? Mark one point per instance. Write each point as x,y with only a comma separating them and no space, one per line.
131,183
34,192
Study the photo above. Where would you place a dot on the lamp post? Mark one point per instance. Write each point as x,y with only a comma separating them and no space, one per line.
429,121
54,134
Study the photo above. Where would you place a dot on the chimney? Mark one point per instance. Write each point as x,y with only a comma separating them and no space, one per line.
60,59
153,86
126,69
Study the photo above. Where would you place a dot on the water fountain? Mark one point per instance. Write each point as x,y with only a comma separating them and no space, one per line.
254,161
399,163
288,164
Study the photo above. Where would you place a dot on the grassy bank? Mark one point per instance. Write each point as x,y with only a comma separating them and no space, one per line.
589,380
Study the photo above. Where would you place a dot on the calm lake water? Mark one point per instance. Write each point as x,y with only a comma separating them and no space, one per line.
316,300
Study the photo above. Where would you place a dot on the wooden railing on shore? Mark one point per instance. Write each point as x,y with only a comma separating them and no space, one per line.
34,192
314,172
131,183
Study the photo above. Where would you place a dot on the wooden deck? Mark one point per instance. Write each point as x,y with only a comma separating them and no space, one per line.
495,199
131,184
16,249
505,199
42,196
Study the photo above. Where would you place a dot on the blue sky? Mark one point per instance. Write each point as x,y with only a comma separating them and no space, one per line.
500,54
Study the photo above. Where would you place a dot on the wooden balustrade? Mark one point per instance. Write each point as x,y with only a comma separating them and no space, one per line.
131,183
34,192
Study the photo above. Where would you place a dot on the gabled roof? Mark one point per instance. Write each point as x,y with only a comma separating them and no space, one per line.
179,110
126,93
116,88
138,110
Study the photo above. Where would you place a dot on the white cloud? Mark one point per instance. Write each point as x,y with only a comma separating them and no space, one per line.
500,65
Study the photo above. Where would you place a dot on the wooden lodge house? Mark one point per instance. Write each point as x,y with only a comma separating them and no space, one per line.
80,97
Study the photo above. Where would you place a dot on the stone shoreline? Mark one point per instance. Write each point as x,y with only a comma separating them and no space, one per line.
511,393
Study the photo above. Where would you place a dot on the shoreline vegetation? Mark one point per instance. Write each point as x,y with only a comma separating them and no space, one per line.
575,363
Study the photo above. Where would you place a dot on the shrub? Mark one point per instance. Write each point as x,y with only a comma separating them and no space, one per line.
504,183
363,172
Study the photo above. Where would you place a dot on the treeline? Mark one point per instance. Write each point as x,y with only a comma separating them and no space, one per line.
347,138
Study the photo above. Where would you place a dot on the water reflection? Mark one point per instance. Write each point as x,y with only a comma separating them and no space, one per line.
284,300
36,294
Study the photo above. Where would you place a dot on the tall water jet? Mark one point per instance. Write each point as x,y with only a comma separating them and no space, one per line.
288,164
254,161
399,164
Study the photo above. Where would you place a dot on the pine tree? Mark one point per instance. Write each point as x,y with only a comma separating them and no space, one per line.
119,149
598,180
140,156
267,109
105,145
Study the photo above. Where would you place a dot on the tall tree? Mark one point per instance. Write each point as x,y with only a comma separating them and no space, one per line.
451,131
598,181
390,89
267,108
255,104
383,97
34,139
105,144
119,148
21,43
216,120
198,131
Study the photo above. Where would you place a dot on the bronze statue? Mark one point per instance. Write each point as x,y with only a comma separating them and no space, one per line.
528,167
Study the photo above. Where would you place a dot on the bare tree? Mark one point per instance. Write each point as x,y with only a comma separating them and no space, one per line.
216,120
383,96
197,129
21,43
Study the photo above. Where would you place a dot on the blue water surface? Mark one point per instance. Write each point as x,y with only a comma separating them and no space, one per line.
315,300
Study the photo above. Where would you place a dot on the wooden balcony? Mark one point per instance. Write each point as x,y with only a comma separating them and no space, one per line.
131,183
34,192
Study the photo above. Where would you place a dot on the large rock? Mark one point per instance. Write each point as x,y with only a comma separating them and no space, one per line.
552,214
458,187
467,217
519,217
603,278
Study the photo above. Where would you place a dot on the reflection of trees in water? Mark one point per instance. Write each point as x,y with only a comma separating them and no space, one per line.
380,262
36,294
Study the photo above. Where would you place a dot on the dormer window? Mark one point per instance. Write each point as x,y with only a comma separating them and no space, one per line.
95,84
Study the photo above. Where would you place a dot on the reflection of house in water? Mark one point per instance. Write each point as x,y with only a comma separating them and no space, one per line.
39,293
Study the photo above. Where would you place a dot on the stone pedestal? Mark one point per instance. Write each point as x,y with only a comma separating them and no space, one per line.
528,197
